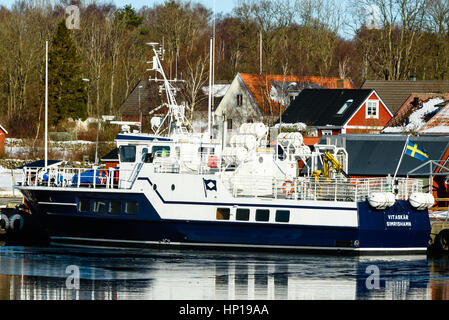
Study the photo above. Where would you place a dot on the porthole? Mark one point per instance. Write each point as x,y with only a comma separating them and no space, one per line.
154,187
172,187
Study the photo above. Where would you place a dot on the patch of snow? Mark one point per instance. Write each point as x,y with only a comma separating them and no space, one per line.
294,126
437,129
76,142
275,96
8,178
394,129
416,119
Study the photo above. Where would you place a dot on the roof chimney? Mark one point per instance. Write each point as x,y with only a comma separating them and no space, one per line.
340,83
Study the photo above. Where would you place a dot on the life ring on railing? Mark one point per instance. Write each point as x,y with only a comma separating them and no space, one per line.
103,176
212,162
288,187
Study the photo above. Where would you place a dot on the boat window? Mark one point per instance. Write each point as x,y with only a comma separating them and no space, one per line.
262,215
205,150
282,216
127,153
99,206
242,215
161,151
84,205
131,207
281,153
115,207
144,154
223,213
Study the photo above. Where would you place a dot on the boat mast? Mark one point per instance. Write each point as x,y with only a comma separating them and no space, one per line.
211,78
175,112
209,130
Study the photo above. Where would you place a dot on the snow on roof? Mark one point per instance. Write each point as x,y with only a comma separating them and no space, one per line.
417,118
439,123
293,126
438,129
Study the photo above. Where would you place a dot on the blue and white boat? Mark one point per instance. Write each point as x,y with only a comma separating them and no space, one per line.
189,190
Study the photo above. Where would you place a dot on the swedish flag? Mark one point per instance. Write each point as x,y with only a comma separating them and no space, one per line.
415,151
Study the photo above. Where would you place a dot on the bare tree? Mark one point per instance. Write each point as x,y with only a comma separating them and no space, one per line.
196,78
392,47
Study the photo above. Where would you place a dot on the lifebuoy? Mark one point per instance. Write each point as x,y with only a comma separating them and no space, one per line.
12,222
288,187
103,176
4,221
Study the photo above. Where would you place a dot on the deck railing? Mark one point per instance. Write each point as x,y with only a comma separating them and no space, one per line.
66,177
300,188
318,189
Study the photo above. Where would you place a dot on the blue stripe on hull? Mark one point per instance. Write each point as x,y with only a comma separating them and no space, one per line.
199,232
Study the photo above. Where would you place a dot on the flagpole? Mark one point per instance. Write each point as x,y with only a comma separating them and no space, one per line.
46,104
400,160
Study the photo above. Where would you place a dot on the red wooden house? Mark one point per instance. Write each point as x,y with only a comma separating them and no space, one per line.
335,111
3,134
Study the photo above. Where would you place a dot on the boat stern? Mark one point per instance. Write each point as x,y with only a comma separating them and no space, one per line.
398,228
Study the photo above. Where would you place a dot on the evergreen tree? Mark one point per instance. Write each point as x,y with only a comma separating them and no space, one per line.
67,92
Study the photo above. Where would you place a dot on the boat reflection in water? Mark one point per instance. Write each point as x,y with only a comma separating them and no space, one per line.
41,274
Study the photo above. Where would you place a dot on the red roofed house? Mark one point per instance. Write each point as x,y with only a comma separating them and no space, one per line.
415,112
258,98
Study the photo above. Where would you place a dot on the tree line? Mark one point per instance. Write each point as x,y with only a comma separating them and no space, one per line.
94,68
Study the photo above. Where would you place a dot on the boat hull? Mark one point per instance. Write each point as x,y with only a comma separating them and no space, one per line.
399,229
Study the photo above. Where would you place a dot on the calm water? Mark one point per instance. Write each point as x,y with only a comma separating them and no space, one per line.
46,273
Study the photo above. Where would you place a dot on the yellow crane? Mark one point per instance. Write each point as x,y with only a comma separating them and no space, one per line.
329,164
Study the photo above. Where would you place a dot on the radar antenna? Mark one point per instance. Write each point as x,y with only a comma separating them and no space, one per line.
176,112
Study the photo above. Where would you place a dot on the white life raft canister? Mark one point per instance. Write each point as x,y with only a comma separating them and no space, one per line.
421,201
381,200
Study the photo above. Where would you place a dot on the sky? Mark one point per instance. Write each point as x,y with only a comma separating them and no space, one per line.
224,6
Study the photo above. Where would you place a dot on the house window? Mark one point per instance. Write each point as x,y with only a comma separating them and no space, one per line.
239,98
229,121
326,132
345,107
372,109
